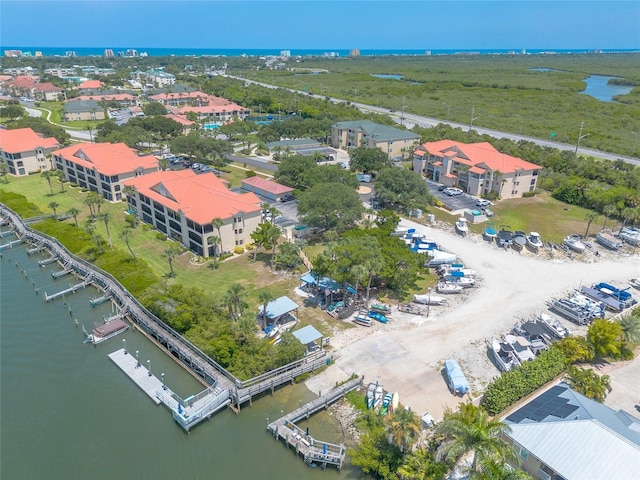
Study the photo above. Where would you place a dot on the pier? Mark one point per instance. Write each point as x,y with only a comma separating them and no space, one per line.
61,273
313,450
11,244
219,383
72,289
36,249
142,377
48,261
99,300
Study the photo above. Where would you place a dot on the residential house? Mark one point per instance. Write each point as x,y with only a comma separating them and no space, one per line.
25,152
182,204
91,85
396,143
22,86
265,188
563,435
83,110
478,168
48,92
103,167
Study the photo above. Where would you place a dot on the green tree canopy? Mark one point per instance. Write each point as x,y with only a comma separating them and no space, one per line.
368,160
154,108
403,189
330,206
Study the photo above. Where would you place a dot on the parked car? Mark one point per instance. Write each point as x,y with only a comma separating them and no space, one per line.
488,213
482,202
287,197
453,192
442,187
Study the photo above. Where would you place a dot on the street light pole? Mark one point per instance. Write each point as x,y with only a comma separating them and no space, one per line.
137,359
448,109
473,109
635,144
149,367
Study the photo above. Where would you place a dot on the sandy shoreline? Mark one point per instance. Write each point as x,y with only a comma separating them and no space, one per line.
407,354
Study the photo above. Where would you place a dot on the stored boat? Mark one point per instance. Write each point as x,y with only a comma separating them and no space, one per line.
362,320
519,239
429,299
630,235
521,347
378,316
377,399
574,242
505,236
490,231
456,267
370,397
448,288
461,226
534,241
607,239
536,334
438,257
554,327
458,383
635,282
458,278
412,308
503,354
381,308
395,401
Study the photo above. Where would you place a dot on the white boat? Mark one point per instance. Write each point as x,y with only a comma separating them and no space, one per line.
555,327
630,235
607,239
377,398
504,355
456,267
574,242
440,258
371,395
461,226
110,329
635,282
490,231
429,299
446,287
395,401
464,282
534,241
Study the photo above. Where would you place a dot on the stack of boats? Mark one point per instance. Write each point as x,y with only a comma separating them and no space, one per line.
630,235
419,243
377,399
579,308
455,277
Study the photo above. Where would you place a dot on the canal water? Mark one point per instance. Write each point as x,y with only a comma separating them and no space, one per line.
69,412
598,87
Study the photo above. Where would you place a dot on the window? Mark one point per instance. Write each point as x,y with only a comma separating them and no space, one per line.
239,242
21,171
238,231
533,181
524,453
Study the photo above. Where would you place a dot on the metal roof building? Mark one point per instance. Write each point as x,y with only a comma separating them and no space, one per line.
279,307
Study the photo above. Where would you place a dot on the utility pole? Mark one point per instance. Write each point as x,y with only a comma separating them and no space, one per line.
355,94
402,117
635,144
580,137
473,109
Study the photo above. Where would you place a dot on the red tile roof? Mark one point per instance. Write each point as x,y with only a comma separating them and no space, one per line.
107,158
91,84
24,140
228,108
267,185
482,155
48,87
110,97
181,119
200,197
420,153
24,81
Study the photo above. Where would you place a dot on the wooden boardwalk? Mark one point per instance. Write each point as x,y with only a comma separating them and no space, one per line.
313,450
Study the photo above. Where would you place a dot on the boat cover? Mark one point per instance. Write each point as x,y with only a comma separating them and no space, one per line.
457,380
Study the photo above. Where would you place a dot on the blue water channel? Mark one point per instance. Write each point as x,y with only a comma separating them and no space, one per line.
68,412
597,87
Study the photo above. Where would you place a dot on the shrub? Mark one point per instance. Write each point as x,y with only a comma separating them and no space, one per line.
511,386
146,227
161,236
238,250
530,194
225,255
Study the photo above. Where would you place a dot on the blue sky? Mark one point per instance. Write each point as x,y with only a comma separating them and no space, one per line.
305,24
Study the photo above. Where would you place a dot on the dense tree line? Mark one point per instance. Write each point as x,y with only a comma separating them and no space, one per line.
41,126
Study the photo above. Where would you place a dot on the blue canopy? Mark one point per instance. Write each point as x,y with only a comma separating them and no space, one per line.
324,283
278,307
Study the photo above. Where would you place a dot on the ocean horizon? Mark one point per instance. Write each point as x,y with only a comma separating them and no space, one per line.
253,52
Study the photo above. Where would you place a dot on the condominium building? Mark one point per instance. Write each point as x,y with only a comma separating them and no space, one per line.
25,152
477,168
396,143
182,204
102,167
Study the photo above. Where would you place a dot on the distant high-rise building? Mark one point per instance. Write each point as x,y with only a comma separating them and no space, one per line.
38,54
13,53
285,53
354,52
108,53
427,53
70,54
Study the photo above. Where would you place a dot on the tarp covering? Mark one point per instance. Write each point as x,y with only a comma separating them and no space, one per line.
307,335
457,379
278,307
324,283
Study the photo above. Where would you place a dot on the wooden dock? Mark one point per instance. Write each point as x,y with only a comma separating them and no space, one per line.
72,289
48,261
11,244
313,450
138,373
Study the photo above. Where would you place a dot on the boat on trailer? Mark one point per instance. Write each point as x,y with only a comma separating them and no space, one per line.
503,354
574,242
429,299
554,326
490,231
534,241
448,288
635,283
461,226
363,320
630,235
607,239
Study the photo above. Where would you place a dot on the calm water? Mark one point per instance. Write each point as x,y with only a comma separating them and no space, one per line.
69,412
597,87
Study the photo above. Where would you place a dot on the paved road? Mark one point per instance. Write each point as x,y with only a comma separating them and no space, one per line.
411,119
83,135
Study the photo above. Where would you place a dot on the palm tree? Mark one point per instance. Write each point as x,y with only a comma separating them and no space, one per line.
214,241
630,328
125,234
74,212
360,272
90,203
4,169
471,429
421,465
170,253
59,174
273,235
54,206
588,382
129,191
47,174
91,230
374,264
589,217
403,428
98,201
265,297
106,218
492,469
235,300
217,223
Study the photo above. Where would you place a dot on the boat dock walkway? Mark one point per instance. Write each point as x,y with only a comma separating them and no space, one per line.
11,244
61,273
100,300
87,281
138,373
48,261
312,449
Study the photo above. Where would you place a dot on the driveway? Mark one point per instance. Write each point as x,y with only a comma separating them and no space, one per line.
460,202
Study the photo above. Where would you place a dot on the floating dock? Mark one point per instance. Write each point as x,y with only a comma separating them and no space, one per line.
138,373
313,450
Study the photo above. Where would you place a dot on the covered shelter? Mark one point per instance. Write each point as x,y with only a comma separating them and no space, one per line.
308,336
279,310
324,283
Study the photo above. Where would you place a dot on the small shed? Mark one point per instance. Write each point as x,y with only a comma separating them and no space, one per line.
279,310
265,188
308,336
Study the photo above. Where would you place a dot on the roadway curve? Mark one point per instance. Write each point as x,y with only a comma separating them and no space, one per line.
411,119
82,135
